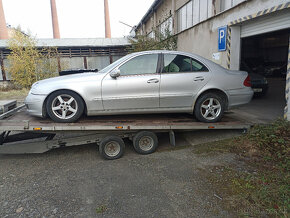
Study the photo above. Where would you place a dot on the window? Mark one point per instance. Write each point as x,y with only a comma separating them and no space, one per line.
196,11
166,27
185,17
195,14
180,63
144,64
151,35
203,10
189,14
197,66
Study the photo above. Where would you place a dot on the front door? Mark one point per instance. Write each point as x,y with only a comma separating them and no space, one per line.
137,87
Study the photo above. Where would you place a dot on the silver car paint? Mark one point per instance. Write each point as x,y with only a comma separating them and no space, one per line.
105,95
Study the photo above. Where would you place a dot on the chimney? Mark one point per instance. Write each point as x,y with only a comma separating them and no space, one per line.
107,20
3,28
55,26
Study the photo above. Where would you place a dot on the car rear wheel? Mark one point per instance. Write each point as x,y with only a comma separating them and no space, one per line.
209,108
64,106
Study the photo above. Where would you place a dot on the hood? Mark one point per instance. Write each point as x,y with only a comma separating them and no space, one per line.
65,82
70,78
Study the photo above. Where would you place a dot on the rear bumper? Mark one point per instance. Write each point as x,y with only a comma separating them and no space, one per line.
34,104
240,96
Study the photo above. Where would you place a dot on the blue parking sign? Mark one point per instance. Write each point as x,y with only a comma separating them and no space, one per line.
222,38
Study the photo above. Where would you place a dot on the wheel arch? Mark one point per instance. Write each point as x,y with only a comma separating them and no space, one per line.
44,112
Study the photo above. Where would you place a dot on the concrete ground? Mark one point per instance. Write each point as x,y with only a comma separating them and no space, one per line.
172,182
266,108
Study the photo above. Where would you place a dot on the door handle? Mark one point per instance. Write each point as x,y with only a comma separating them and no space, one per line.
153,81
198,78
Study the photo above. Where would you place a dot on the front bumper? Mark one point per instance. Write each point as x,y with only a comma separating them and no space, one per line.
34,104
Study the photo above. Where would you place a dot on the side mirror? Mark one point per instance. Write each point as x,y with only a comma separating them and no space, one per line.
115,73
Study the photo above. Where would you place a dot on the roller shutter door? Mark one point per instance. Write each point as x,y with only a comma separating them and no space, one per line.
268,23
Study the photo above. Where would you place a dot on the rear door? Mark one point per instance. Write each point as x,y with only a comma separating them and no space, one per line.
181,79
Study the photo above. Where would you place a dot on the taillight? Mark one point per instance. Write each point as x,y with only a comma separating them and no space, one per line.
247,81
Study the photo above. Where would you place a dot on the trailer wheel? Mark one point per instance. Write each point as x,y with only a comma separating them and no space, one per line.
112,147
145,142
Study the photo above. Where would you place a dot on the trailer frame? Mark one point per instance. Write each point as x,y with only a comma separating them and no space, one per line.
92,130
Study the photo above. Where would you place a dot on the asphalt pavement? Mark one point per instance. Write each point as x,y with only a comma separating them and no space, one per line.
77,182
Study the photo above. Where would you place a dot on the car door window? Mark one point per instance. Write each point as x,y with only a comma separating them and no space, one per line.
144,64
197,66
181,63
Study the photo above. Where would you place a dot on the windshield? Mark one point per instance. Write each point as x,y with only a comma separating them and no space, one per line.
113,65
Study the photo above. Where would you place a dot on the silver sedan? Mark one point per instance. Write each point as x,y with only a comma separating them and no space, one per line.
144,82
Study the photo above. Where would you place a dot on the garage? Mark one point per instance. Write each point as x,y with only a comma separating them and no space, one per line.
264,54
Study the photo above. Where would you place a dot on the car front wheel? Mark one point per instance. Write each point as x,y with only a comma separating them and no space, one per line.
64,106
209,108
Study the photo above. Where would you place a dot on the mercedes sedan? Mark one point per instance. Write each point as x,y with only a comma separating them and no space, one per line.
143,82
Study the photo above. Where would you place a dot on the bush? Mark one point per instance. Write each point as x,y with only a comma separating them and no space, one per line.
27,64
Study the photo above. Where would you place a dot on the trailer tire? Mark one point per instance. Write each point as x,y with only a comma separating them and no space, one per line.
145,142
112,147
209,107
64,106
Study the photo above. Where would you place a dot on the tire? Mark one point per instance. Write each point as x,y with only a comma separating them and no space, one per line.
145,142
64,106
112,147
209,108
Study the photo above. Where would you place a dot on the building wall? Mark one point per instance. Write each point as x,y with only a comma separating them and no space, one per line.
164,11
203,37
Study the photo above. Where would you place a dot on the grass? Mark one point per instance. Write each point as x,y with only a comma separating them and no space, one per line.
101,209
18,94
261,187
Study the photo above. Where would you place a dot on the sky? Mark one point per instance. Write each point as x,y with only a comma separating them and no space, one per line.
77,18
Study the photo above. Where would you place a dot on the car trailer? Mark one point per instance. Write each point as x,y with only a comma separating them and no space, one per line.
21,133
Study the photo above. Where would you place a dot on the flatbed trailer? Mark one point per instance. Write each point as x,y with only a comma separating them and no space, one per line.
37,135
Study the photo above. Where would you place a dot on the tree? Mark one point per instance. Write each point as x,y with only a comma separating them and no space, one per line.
27,64
163,39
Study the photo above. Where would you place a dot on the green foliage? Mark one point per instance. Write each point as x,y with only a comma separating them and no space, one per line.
161,41
27,64
265,193
272,141
260,187
101,209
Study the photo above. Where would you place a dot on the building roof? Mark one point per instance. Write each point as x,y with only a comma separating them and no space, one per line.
82,42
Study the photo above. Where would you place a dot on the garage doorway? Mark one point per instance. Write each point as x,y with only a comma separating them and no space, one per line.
265,58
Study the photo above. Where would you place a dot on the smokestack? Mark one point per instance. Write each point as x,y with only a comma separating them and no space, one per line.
3,28
55,26
107,20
